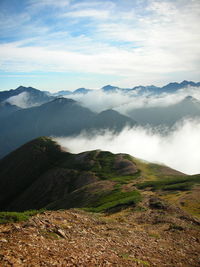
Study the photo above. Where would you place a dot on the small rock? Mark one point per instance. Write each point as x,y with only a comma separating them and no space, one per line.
3,240
61,233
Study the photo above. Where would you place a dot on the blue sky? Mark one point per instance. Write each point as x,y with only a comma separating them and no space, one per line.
67,44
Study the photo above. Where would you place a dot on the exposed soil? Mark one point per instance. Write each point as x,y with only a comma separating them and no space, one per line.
76,238
124,166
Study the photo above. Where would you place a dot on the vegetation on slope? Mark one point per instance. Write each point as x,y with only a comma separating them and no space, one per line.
11,217
41,175
115,200
172,183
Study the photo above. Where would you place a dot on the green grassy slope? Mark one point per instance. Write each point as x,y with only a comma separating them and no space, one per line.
41,175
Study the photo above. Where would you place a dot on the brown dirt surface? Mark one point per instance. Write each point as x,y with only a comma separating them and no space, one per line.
169,171
124,166
77,238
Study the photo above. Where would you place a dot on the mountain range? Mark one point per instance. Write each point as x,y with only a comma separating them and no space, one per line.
169,88
50,115
35,97
60,117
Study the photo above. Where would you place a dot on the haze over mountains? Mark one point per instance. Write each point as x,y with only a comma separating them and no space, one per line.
155,115
189,107
60,117
169,88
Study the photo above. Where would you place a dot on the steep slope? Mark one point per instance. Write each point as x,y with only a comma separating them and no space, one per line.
6,109
169,115
41,175
111,119
60,117
22,167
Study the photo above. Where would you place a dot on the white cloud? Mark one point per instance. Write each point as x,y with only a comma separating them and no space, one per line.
89,13
98,100
151,42
34,5
93,4
20,100
111,61
178,149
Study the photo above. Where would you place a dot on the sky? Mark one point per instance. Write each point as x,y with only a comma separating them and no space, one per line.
67,44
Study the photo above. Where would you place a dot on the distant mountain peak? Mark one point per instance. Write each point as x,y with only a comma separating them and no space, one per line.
110,88
24,88
185,82
191,99
63,100
33,97
81,90
20,87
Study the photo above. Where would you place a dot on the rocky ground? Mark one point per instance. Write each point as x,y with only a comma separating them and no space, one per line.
150,237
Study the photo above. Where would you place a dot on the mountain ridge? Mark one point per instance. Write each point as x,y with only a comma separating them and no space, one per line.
33,97
170,88
59,117
40,174
189,107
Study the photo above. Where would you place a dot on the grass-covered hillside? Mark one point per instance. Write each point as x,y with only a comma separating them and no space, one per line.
41,175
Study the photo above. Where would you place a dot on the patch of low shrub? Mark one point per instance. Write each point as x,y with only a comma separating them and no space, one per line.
12,216
115,199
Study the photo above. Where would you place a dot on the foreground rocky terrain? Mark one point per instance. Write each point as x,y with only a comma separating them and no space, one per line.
127,238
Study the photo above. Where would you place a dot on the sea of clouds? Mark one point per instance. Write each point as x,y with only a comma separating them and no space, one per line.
123,102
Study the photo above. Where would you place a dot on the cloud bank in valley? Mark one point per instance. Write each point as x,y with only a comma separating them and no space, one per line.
178,149
21,100
98,100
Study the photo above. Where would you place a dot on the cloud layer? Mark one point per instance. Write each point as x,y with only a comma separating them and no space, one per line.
98,100
21,100
177,150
